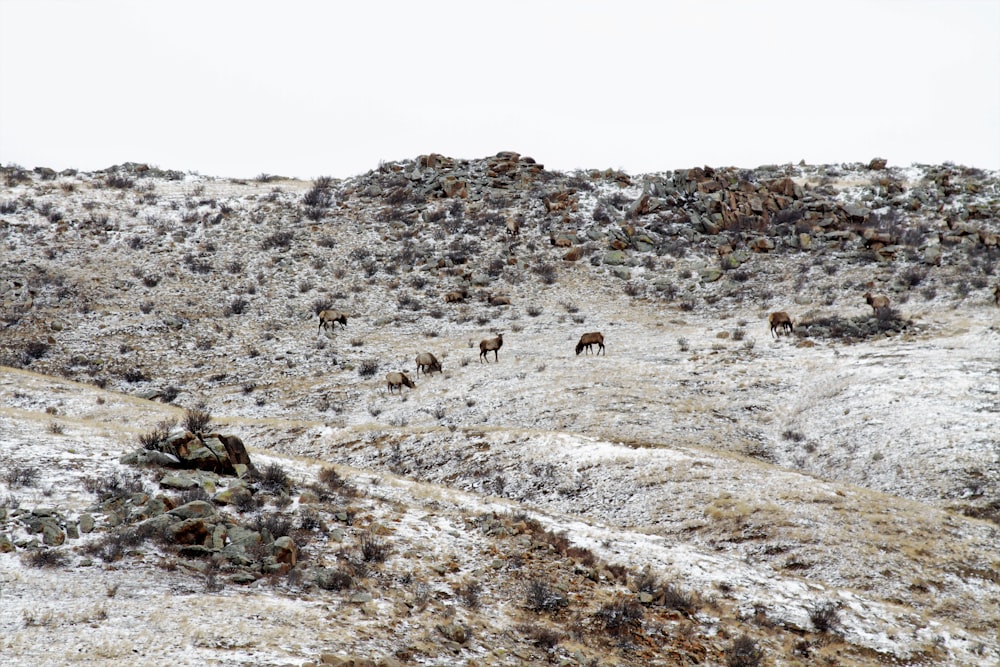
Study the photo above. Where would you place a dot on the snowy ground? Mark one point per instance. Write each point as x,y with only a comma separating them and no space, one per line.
771,476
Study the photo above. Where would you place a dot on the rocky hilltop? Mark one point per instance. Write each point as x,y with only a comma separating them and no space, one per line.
179,425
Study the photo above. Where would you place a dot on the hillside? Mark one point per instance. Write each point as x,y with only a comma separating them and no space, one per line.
702,493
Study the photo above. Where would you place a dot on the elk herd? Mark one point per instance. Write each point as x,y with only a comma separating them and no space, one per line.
780,323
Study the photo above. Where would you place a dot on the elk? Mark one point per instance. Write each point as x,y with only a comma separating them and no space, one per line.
878,303
330,318
780,319
490,344
499,300
588,340
455,297
397,380
513,227
427,363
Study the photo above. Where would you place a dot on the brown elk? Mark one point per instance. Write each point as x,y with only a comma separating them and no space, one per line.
455,296
878,303
397,380
330,318
427,363
490,344
513,227
588,340
780,319
499,300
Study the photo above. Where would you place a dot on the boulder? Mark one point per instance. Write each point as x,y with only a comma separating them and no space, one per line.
196,509
877,163
284,551
189,531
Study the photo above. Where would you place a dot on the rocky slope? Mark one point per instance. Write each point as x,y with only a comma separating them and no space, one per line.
703,492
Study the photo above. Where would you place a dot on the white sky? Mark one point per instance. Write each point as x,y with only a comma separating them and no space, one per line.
295,88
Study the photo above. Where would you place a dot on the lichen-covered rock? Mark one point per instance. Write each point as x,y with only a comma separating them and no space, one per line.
194,509
284,551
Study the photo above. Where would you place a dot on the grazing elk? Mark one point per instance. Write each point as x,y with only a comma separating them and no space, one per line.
455,297
397,380
513,227
499,300
588,340
780,319
490,344
878,303
427,363
330,318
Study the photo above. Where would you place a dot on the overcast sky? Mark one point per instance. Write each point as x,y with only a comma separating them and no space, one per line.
293,88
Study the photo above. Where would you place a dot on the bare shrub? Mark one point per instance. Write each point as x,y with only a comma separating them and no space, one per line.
36,349
673,597
824,617
367,367
333,481
541,637
744,652
134,375
274,479
119,182
621,618
274,523
119,484
197,419
152,439
282,240
469,593
334,579
237,306
794,436
373,549
20,474
540,597
547,272
47,558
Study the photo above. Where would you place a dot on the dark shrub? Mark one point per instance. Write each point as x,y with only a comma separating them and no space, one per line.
197,419
334,580
373,550
282,239
544,638
274,479
118,181
542,597
744,652
469,593
824,617
134,375
621,618
278,525
36,349
367,367
45,558
152,439
117,485
237,306
21,475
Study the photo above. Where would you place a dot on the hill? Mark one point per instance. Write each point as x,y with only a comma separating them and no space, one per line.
702,493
